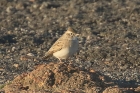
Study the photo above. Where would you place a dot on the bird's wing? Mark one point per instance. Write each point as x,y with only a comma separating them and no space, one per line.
58,45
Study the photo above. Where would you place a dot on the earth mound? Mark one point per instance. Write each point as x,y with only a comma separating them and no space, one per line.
63,77
57,77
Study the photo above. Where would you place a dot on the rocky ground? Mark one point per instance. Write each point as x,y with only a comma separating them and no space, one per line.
109,42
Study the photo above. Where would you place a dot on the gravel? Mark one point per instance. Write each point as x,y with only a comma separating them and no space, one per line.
109,41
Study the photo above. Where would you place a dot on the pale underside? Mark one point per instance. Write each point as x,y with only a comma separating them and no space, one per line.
64,47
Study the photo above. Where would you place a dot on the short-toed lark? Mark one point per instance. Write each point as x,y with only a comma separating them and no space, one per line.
65,46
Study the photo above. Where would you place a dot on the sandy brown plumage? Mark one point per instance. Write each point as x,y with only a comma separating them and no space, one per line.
63,46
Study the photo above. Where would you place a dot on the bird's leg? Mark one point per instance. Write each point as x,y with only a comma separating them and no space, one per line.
59,59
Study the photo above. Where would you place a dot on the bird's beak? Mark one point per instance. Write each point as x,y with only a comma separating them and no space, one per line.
77,34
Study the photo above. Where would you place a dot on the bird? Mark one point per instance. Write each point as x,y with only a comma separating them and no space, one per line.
65,46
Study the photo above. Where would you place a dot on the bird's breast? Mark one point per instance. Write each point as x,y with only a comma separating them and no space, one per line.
62,54
68,51
74,46
74,38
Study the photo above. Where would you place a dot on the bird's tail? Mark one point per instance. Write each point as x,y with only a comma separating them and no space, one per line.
47,55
